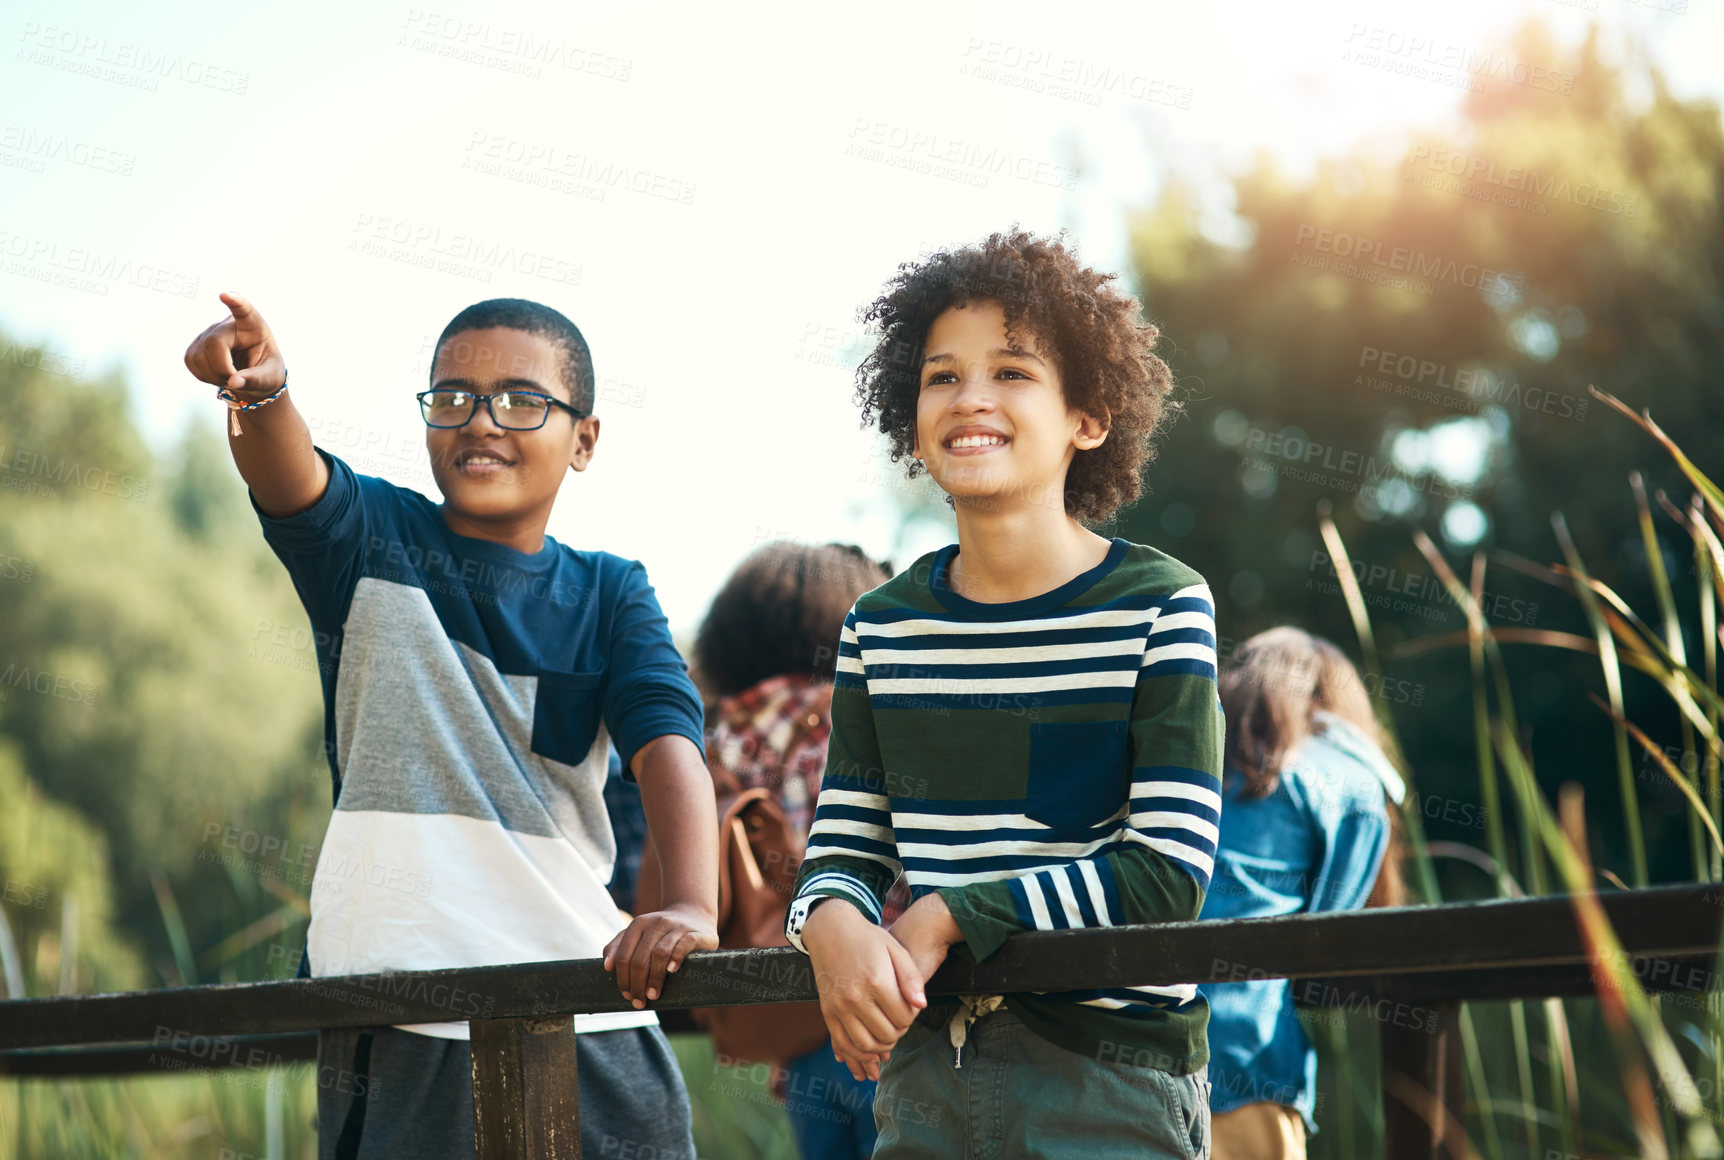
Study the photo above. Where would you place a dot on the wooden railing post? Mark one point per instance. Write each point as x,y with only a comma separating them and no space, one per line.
526,1092
1422,1093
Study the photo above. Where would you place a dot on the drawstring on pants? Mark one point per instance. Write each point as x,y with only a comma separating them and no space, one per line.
970,1009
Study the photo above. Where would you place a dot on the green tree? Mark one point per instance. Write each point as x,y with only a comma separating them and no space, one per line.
57,899
156,671
1372,328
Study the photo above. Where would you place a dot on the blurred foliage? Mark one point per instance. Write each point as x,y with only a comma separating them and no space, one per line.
59,893
1277,357
223,1115
220,1115
735,1112
142,688
1327,351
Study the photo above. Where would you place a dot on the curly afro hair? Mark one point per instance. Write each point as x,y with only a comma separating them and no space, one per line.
1096,335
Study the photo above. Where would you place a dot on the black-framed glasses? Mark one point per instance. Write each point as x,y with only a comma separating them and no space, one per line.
513,410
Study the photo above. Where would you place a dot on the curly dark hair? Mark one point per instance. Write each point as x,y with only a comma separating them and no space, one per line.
781,612
1095,334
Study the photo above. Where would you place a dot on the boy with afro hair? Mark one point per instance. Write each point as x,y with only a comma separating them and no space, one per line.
1025,725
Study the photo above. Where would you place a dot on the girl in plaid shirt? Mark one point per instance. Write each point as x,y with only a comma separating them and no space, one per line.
767,651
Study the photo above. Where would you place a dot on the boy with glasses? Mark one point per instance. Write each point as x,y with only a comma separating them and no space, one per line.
475,672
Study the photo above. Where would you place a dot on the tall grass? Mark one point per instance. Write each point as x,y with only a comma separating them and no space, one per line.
1634,1054
201,1116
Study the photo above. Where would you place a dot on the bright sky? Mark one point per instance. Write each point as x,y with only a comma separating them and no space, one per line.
710,191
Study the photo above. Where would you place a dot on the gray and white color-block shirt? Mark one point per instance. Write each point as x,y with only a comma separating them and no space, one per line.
471,692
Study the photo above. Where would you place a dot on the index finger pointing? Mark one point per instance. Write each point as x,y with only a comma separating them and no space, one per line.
248,325
241,309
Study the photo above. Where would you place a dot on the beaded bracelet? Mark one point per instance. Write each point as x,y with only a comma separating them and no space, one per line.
236,404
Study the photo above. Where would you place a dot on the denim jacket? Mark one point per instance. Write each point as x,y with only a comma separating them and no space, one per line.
1313,844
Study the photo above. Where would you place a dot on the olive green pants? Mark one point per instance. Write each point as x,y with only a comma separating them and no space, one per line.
1020,1097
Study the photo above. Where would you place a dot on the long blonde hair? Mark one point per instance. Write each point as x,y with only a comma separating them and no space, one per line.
1271,689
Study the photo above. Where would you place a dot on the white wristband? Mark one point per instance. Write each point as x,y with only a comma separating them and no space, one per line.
797,918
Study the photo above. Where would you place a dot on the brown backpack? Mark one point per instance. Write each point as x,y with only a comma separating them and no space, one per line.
759,854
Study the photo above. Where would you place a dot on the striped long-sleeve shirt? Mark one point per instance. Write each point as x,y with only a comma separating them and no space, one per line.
1044,764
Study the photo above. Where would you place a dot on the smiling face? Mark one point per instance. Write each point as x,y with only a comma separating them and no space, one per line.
991,417
492,476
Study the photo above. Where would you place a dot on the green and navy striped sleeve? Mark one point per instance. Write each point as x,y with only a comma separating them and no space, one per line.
851,850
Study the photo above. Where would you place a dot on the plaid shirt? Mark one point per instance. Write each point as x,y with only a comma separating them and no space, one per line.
749,734
774,734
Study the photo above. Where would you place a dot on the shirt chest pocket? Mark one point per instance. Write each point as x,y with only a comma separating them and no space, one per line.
1080,773
566,715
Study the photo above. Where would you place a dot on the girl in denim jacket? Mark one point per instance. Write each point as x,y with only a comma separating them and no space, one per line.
1305,827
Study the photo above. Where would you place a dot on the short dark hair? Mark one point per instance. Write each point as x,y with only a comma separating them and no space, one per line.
1096,335
532,317
782,611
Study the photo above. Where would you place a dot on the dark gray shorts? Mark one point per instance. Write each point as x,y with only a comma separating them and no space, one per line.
387,1094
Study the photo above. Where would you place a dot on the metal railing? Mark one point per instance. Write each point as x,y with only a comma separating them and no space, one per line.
526,1094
